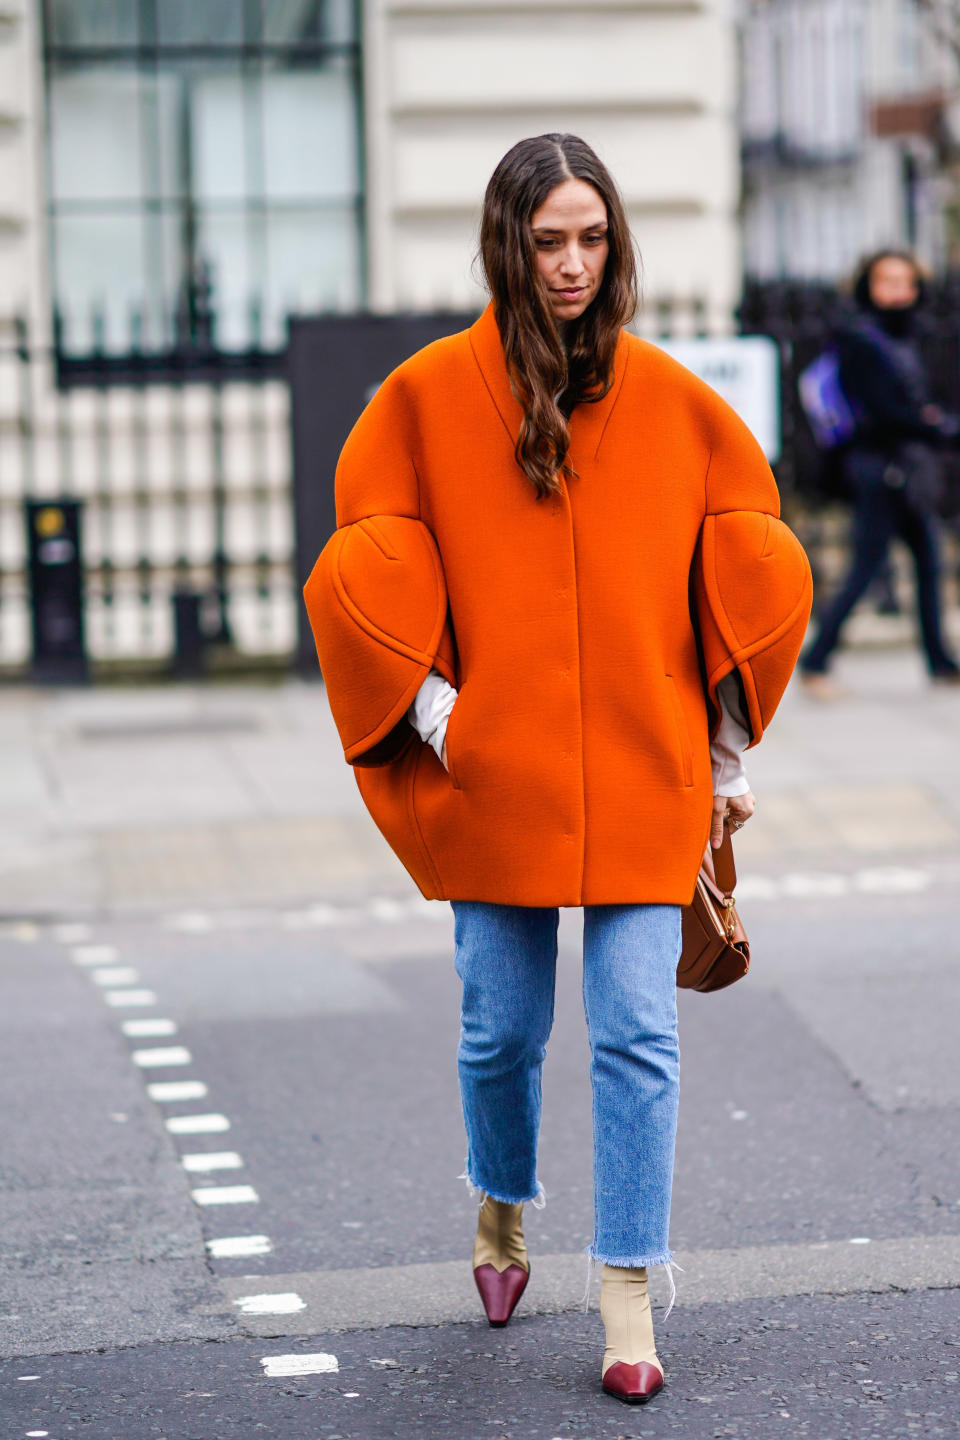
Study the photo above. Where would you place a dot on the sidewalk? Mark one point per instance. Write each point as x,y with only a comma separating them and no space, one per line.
130,800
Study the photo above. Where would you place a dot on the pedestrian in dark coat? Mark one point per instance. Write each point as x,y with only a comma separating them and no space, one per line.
891,467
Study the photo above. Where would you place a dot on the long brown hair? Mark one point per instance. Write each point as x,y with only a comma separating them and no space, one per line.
550,374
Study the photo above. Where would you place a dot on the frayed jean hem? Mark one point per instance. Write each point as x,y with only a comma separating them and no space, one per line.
477,1191
666,1260
633,1262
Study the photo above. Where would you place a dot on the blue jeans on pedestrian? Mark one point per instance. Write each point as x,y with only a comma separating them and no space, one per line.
506,957
880,515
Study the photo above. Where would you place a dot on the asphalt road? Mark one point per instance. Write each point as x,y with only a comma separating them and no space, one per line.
818,1150
172,1257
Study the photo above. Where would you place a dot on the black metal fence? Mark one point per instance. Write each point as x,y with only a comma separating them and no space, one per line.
194,532
184,488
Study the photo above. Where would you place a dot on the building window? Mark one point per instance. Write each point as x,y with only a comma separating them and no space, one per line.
204,170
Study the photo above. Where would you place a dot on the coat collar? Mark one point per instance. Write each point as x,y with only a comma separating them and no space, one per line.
588,421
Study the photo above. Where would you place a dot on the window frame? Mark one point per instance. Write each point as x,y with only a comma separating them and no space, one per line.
194,353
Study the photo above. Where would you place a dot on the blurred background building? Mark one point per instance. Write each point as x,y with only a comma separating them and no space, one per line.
849,125
179,177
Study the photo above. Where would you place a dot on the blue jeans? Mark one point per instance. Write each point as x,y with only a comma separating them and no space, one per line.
506,957
882,514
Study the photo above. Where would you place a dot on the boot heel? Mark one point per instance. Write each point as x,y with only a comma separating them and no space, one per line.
501,1268
631,1369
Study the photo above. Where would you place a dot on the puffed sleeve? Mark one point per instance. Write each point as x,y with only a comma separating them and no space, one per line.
752,585
377,597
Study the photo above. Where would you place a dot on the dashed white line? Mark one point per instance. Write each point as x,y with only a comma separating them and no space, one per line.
212,1160
287,1303
191,923
115,975
318,917
73,933
320,1364
196,1124
94,954
828,884
170,1090
164,1055
226,1195
239,1247
382,908
119,999
143,1029
892,880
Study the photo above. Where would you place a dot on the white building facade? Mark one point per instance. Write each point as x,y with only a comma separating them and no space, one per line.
176,179
847,107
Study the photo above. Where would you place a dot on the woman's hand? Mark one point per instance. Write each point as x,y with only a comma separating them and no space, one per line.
737,809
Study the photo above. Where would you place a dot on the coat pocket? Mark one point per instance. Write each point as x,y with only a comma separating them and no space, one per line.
683,733
450,740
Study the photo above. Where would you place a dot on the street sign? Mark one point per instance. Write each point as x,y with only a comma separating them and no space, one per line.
745,370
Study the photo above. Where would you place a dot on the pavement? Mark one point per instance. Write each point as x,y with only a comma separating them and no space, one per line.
230,1137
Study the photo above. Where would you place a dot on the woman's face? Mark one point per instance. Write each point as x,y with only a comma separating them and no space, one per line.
893,283
570,235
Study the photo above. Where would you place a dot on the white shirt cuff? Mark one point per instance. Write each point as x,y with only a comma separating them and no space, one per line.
431,709
730,741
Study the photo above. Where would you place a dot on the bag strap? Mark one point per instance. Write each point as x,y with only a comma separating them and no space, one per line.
724,867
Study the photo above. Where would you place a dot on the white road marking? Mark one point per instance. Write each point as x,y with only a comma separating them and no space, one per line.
317,917
73,933
321,1364
891,880
195,1124
351,1394
236,1247
226,1195
120,999
141,1029
162,1056
802,885
828,884
38,1432
192,922
387,910
28,1377
94,954
212,1160
860,1240
115,975
168,1090
285,1304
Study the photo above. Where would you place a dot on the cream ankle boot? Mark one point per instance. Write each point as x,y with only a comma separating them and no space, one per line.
501,1267
631,1370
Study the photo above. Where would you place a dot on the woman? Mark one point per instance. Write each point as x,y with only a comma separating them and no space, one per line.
530,513
890,468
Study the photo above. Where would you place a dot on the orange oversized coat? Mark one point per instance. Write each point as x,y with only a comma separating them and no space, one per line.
586,632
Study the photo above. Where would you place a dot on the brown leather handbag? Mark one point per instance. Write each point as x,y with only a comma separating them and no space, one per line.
716,951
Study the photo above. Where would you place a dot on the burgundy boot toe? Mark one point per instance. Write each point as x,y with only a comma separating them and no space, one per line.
634,1384
500,1290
